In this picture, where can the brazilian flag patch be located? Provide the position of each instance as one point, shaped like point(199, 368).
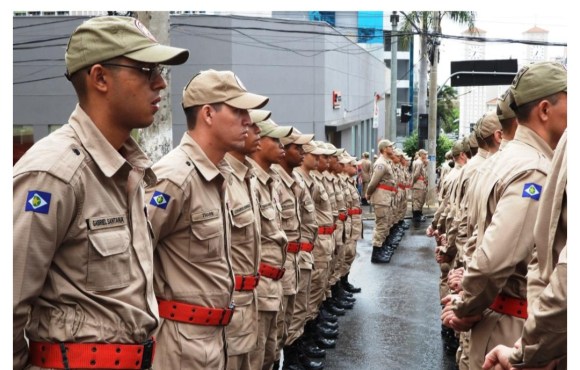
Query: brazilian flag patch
point(160, 199)
point(38, 202)
point(532, 190)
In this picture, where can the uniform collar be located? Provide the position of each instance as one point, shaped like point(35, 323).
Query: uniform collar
point(107, 158)
point(316, 174)
point(287, 179)
point(305, 176)
point(204, 166)
point(482, 152)
point(528, 136)
point(263, 176)
point(240, 170)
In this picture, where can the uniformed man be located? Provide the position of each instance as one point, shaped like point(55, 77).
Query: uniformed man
point(494, 285)
point(292, 194)
point(544, 338)
point(420, 182)
point(366, 167)
point(381, 192)
point(315, 161)
point(242, 332)
point(444, 170)
point(82, 251)
point(273, 241)
point(194, 280)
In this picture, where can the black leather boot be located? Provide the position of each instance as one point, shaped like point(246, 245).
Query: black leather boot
point(378, 256)
point(307, 346)
point(331, 307)
point(327, 316)
point(346, 285)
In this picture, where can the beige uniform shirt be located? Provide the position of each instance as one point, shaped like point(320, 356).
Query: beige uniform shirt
point(82, 251)
point(272, 237)
point(509, 210)
point(419, 170)
point(290, 192)
point(324, 217)
point(545, 332)
point(242, 332)
point(357, 225)
point(308, 224)
point(365, 166)
point(383, 174)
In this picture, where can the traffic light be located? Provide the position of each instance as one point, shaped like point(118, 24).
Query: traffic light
point(405, 113)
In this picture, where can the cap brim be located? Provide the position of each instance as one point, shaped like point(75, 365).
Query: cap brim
point(279, 132)
point(317, 151)
point(259, 115)
point(248, 101)
point(160, 54)
point(304, 139)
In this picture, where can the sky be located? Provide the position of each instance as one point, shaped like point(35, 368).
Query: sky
point(500, 19)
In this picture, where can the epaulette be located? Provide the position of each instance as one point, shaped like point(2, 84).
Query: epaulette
point(61, 163)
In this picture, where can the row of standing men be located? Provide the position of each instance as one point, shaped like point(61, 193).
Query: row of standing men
point(233, 247)
point(501, 230)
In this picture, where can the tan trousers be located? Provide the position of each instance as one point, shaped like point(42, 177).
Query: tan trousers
point(382, 224)
point(419, 196)
point(301, 301)
point(283, 322)
point(318, 285)
point(263, 356)
point(239, 362)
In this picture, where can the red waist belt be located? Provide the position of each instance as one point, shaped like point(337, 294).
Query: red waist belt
point(272, 272)
point(510, 306)
point(421, 178)
point(342, 216)
point(295, 247)
point(387, 187)
point(193, 314)
point(92, 355)
point(246, 283)
point(325, 230)
point(401, 186)
point(354, 211)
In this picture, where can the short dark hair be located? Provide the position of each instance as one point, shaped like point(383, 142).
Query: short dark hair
point(191, 113)
point(523, 111)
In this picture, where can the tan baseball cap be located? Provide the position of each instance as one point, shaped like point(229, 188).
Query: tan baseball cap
point(338, 151)
point(311, 148)
point(297, 137)
point(488, 124)
point(259, 115)
point(503, 109)
point(457, 148)
point(102, 38)
point(322, 145)
point(422, 151)
point(472, 140)
point(271, 129)
point(384, 143)
point(211, 86)
point(538, 80)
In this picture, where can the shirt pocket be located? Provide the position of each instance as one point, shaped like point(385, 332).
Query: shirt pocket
point(206, 241)
point(289, 218)
point(242, 219)
point(109, 259)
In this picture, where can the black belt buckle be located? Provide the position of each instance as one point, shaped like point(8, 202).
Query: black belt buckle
point(147, 359)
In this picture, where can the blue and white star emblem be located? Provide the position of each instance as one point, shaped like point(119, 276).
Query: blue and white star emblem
point(160, 199)
point(532, 190)
point(38, 202)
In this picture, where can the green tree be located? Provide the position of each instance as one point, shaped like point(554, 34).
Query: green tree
point(411, 146)
point(447, 112)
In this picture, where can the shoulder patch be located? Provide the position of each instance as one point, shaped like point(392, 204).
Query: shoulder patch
point(532, 190)
point(38, 202)
point(160, 200)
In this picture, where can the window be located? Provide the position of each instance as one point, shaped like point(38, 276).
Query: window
point(22, 139)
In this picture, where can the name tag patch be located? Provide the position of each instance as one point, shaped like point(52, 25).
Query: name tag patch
point(205, 215)
point(106, 222)
point(37, 202)
point(237, 211)
point(160, 199)
point(532, 190)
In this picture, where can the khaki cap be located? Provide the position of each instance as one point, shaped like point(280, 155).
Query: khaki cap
point(259, 115)
point(422, 151)
point(102, 38)
point(384, 144)
point(457, 148)
point(313, 149)
point(271, 129)
point(211, 86)
point(338, 151)
point(488, 124)
point(322, 146)
point(503, 109)
point(472, 140)
point(297, 137)
point(539, 80)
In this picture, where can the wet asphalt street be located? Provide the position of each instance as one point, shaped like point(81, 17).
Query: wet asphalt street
point(395, 321)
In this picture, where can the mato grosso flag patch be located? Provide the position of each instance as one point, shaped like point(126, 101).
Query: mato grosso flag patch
point(532, 190)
